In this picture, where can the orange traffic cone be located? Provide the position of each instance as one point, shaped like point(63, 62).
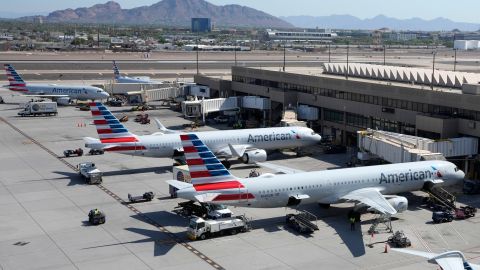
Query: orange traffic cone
point(386, 248)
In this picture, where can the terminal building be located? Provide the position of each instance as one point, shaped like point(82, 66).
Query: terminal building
point(390, 99)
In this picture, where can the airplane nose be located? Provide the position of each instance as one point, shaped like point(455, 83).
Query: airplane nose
point(461, 174)
point(105, 95)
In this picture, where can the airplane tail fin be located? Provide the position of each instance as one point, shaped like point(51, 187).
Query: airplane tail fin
point(16, 83)
point(204, 167)
point(109, 129)
point(116, 71)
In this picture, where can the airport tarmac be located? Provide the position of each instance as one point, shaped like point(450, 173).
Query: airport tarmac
point(44, 205)
point(168, 64)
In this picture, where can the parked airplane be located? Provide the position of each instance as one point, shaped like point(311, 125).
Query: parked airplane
point(124, 79)
point(450, 260)
point(211, 182)
point(247, 144)
point(62, 94)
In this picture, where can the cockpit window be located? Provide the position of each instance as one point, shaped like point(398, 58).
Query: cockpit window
point(99, 91)
point(456, 169)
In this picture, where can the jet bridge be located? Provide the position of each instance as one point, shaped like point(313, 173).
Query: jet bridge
point(398, 148)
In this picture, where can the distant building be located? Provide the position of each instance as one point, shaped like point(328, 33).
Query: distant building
point(322, 35)
point(465, 45)
point(400, 36)
point(202, 25)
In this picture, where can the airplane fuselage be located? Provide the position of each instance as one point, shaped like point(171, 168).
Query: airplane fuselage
point(72, 91)
point(327, 187)
point(164, 145)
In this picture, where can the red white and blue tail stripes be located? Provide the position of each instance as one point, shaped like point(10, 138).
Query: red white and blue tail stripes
point(116, 71)
point(111, 131)
point(16, 83)
point(208, 173)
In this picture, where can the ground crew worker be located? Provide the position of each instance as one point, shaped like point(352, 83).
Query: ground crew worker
point(96, 212)
point(352, 223)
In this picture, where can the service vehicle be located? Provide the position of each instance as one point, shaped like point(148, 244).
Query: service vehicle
point(303, 222)
point(90, 173)
point(34, 108)
point(94, 152)
point(96, 217)
point(465, 212)
point(146, 197)
point(202, 229)
point(77, 152)
point(399, 240)
point(207, 211)
point(442, 216)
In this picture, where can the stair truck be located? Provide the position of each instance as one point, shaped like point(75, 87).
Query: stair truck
point(202, 229)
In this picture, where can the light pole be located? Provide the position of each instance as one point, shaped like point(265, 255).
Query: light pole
point(196, 28)
point(433, 67)
point(455, 60)
point(284, 55)
point(235, 50)
point(329, 53)
point(384, 54)
point(348, 69)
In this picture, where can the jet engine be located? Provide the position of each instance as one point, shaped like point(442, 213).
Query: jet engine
point(400, 203)
point(63, 101)
point(250, 157)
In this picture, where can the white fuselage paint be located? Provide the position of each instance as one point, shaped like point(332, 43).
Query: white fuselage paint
point(164, 145)
point(72, 91)
point(145, 80)
point(329, 186)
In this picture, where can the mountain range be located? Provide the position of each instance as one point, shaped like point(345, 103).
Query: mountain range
point(167, 13)
point(380, 21)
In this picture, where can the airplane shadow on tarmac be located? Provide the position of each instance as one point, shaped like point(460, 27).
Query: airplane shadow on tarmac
point(336, 218)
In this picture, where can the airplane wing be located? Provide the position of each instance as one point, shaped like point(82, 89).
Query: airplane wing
point(278, 168)
point(450, 260)
point(232, 150)
point(163, 128)
point(371, 197)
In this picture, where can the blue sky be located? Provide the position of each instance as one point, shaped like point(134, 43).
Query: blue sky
point(459, 10)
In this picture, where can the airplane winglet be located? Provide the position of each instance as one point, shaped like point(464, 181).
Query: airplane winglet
point(163, 128)
point(237, 152)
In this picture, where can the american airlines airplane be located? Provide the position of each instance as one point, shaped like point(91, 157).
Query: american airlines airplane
point(124, 79)
point(211, 182)
point(247, 144)
point(62, 94)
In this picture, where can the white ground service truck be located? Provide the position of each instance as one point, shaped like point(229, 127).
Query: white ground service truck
point(200, 228)
point(34, 108)
point(90, 173)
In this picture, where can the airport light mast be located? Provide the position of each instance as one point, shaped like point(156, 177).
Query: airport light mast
point(433, 66)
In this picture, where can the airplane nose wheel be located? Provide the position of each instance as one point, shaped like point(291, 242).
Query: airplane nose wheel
point(227, 164)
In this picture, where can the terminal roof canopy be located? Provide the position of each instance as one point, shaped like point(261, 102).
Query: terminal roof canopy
point(440, 78)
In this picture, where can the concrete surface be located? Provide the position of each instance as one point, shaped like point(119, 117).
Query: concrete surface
point(44, 206)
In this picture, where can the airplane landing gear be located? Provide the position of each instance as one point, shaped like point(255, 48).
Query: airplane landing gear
point(226, 163)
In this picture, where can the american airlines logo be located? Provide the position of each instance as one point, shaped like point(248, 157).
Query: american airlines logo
point(272, 137)
point(66, 91)
point(404, 177)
